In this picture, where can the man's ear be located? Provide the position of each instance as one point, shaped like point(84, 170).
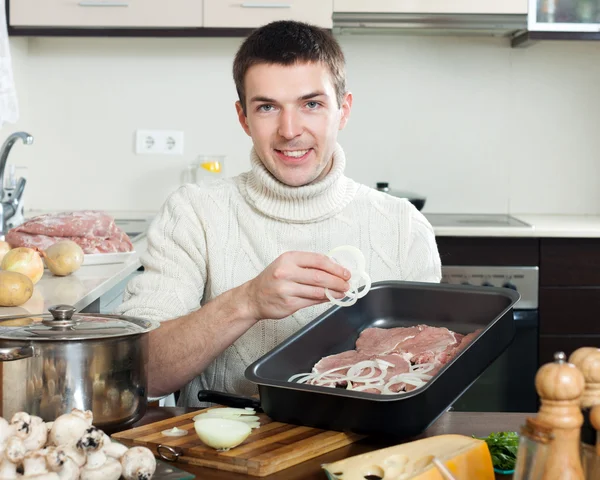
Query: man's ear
point(242, 117)
point(345, 108)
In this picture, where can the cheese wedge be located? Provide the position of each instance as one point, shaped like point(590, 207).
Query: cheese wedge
point(467, 459)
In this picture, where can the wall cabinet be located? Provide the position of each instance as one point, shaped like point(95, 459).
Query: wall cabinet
point(106, 13)
point(432, 6)
point(201, 17)
point(252, 14)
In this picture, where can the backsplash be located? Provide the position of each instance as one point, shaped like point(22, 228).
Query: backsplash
point(469, 122)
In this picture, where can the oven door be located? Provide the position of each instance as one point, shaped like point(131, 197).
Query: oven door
point(508, 384)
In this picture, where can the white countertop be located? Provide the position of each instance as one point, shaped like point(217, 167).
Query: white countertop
point(573, 226)
point(80, 288)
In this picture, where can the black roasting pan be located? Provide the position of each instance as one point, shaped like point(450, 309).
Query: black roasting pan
point(388, 304)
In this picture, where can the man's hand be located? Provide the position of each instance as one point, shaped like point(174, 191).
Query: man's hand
point(295, 280)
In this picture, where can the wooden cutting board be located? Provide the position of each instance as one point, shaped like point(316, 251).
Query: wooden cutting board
point(270, 448)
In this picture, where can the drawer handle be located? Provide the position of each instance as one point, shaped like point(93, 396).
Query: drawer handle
point(265, 5)
point(91, 3)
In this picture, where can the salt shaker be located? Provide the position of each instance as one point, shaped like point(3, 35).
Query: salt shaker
point(534, 446)
point(560, 386)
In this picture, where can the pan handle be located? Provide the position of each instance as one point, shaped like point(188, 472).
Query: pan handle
point(229, 399)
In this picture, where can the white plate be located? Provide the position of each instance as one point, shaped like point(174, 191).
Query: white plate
point(107, 258)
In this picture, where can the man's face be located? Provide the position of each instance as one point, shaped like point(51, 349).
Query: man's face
point(293, 118)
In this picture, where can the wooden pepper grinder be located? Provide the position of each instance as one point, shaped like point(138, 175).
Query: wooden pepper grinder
point(560, 386)
point(587, 360)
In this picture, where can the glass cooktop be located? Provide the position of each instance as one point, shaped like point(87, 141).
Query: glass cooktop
point(474, 220)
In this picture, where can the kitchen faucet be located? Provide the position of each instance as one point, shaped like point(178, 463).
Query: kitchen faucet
point(10, 202)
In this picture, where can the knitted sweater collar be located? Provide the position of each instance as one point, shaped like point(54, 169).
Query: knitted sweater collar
point(309, 203)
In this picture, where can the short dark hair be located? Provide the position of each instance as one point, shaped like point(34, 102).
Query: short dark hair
point(287, 42)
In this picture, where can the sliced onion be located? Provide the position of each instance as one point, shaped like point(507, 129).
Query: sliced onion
point(354, 261)
point(222, 433)
point(174, 432)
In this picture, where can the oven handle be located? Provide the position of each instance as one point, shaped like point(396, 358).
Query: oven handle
point(526, 318)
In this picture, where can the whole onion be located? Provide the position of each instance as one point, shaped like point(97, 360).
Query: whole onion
point(24, 260)
point(4, 248)
point(63, 257)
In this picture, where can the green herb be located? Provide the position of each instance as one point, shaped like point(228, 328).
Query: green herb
point(503, 448)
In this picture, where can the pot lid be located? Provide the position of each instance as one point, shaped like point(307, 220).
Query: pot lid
point(62, 323)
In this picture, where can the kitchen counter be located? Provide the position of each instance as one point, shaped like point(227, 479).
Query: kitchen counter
point(81, 288)
point(465, 423)
point(573, 226)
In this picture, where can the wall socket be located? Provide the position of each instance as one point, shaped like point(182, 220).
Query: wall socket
point(163, 142)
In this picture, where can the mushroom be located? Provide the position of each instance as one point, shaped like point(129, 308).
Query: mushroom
point(67, 429)
point(6, 430)
point(30, 429)
point(98, 466)
point(113, 449)
point(35, 467)
point(13, 452)
point(60, 462)
point(138, 464)
point(87, 415)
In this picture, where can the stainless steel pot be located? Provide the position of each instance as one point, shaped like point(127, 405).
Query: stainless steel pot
point(52, 363)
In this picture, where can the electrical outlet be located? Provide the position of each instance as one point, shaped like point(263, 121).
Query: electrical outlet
point(163, 142)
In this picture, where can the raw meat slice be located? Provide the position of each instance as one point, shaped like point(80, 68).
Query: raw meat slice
point(378, 341)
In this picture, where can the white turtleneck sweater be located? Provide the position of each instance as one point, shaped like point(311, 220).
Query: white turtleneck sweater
point(210, 238)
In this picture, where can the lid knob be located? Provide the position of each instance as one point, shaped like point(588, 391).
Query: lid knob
point(560, 386)
point(381, 185)
point(587, 360)
point(61, 312)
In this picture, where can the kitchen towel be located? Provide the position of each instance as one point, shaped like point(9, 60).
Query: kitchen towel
point(9, 107)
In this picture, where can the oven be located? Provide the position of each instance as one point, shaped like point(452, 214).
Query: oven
point(508, 384)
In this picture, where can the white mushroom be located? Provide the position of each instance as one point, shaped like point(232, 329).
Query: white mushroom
point(138, 464)
point(13, 452)
point(98, 466)
point(59, 462)
point(68, 429)
point(6, 430)
point(75, 453)
point(113, 449)
point(30, 429)
point(87, 415)
point(35, 467)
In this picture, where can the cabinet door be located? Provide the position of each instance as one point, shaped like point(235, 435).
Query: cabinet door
point(106, 13)
point(252, 14)
point(431, 6)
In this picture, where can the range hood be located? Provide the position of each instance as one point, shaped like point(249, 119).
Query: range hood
point(523, 21)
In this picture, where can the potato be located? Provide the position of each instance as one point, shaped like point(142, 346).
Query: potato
point(15, 288)
point(63, 257)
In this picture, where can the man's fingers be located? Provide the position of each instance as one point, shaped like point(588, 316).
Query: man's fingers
point(318, 261)
point(315, 293)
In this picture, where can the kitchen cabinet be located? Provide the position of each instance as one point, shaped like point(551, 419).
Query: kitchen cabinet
point(106, 13)
point(432, 6)
point(252, 14)
point(569, 295)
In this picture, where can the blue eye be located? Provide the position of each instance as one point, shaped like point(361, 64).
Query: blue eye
point(265, 108)
point(312, 105)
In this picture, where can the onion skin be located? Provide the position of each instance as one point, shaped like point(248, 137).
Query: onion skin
point(63, 258)
point(15, 288)
point(24, 260)
point(4, 248)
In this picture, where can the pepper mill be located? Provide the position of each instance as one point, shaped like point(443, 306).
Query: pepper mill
point(587, 360)
point(560, 386)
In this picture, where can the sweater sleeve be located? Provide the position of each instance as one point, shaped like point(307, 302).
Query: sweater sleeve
point(174, 276)
point(423, 263)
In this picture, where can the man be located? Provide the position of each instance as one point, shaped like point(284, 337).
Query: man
point(239, 265)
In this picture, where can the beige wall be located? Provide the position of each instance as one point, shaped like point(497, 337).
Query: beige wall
point(472, 124)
